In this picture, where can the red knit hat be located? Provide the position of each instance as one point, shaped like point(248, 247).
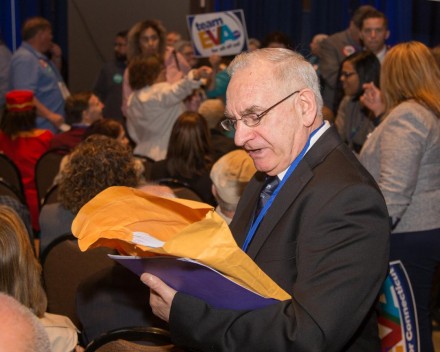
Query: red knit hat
point(19, 100)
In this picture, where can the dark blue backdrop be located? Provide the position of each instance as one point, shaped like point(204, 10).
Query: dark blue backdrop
point(54, 10)
point(408, 19)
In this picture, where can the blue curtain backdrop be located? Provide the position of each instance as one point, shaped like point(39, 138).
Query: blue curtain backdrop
point(54, 10)
point(408, 20)
point(300, 19)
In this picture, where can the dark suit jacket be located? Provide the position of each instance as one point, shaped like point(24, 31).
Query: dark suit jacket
point(324, 240)
point(333, 50)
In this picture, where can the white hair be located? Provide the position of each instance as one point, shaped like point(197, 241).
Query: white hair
point(36, 336)
point(289, 67)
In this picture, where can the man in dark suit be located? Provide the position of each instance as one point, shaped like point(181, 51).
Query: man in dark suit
point(322, 236)
point(334, 50)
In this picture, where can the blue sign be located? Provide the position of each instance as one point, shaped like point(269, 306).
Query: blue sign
point(218, 33)
point(398, 327)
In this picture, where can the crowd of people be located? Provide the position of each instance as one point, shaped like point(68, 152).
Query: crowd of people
point(326, 168)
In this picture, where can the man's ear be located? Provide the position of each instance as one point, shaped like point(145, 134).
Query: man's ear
point(307, 107)
point(38, 36)
point(387, 35)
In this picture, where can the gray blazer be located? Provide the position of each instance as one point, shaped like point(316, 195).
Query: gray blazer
point(403, 155)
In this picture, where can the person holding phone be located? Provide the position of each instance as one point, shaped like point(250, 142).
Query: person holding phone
point(354, 121)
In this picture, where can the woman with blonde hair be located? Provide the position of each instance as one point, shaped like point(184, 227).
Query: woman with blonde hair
point(403, 155)
point(20, 277)
point(20, 271)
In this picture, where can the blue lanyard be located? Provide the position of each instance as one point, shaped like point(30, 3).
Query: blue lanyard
point(266, 207)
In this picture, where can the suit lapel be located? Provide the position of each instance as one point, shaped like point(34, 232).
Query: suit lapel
point(246, 208)
point(291, 189)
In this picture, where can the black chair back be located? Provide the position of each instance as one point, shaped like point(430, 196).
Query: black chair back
point(46, 169)
point(180, 188)
point(51, 196)
point(7, 190)
point(10, 197)
point(133, 339)
point(64, 267)
point(11, 175)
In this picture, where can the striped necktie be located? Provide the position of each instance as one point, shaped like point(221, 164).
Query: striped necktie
point(269, 187)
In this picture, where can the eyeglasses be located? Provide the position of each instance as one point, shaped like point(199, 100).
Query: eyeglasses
point(251, 120)
point(346, 74)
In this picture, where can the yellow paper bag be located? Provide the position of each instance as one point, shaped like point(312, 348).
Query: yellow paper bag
point(119, 217)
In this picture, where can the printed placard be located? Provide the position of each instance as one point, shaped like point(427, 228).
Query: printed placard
point(398, 327)
point(221, 33)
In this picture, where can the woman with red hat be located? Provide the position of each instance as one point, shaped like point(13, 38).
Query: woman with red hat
point(22, 142)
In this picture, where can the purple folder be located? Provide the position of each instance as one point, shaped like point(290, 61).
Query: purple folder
point(196, 279)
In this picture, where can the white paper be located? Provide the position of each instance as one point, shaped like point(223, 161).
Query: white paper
point(146, 239)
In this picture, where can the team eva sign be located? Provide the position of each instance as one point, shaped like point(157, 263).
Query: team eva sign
point(221, 33)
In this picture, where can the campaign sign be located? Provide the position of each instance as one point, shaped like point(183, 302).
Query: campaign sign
point(221, 33)
point(398, 327)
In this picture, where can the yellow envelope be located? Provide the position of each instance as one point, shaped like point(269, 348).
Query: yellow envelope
point(189, 229)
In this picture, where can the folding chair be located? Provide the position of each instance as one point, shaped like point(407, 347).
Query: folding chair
point(7, 190)
point(10, 174)
point(64, 267)
point(51, 196)
point(46, 169)
point(180, 188)
point(133, 339)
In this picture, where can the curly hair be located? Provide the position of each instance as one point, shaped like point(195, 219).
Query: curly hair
point(135, 33)
point(95, 164)
point(144, 71)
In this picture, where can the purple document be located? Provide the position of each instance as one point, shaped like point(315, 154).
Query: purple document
point(198, 280)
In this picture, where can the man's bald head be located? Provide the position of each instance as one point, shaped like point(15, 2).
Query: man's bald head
point(20, 329)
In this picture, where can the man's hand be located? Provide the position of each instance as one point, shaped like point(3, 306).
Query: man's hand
point(56, 119)
point(201, 72)
point(55, 50)
point(56, 54)
point(43, 111)
point(161, 296)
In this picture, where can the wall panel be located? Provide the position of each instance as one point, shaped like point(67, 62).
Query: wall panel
point(92, 26)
